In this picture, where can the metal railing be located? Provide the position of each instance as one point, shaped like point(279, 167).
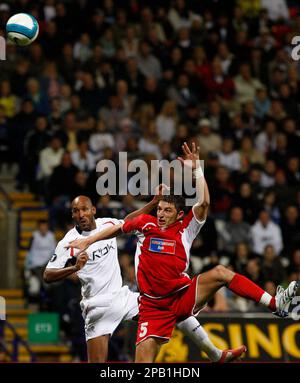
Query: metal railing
point(16, 342)
point(6, 198)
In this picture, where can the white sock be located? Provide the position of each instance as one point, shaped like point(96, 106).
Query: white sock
point(196, 332)
point(265, 299)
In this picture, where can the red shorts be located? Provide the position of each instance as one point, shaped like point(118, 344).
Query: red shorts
point(157, 317)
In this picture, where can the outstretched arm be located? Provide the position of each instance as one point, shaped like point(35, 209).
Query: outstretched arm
point(83, 244)
point(159, 191)
point(53, 275)
point(192, 159)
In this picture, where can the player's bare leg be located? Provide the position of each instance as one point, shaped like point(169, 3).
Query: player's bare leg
point(97, 349)
point(211, 281)
point(147, 350)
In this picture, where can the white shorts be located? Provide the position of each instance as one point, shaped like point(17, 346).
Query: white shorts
point(104, 320)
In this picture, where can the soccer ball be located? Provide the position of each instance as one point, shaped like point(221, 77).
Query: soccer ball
point(22, 29)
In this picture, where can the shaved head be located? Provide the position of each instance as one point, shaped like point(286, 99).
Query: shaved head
point(81, 199)
point(83, 213)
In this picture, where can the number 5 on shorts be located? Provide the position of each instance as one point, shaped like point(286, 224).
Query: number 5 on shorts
point(143, 329)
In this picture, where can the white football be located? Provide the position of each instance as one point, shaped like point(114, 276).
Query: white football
point(22, 29)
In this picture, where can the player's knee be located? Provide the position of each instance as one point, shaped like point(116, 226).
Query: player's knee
point(97, 358)
point(143, 359)
point(221, 273)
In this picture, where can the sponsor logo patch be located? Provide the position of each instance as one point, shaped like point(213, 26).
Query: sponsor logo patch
point(164, 246)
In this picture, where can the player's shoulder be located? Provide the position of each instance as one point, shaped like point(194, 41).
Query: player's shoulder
point(190, 218)
point(107, 221)
point(146, 220)
point(70, 235)
point(148, 217)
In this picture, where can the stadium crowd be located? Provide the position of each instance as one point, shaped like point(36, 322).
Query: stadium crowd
point(142, 77)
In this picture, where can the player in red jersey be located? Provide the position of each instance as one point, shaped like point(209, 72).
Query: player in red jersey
point(167, 292)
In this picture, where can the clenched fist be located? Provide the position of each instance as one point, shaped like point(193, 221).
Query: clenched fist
point(81, 260)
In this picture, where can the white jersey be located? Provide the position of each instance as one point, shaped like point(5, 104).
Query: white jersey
point(105, 303)
point(101, 275)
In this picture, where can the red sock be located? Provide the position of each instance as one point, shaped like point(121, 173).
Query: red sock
point(245, 288)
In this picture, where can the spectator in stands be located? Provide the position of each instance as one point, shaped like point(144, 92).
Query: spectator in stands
point(268, 174)
point(80, 185)
point(222, 192)
point(166, 121)
point(276, 9)
point(113, 113)
point(290, 228)
point(269, 204)
point(290, 129)
point(240, 257)
point(293, 171)
point(83, 158)
point(294, 267)
point(149, 143)
point(35, 141)
point(218, 117)
point(236, 230)
point(5, 149)
point(272, 269)
point(41, 249)
point(247, 201)
point(21, 124)
point(265, 141)
point(208, 140)
point(265, 232)
point(49, 158)
point(249, 118)
point(61, 182)
point(253, 271)
point(245, 85)
point(182, 92)
point(82, 49)
point(148, 64)
point(219, 86)
point(37, 96)
point(248, 154)
point(262, 103)
point(100, 139)
point(8, 100)
point(280, 154)
point(228, 156)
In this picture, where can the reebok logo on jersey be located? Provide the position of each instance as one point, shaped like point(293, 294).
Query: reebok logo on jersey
point(164, 246)
point(101, 252)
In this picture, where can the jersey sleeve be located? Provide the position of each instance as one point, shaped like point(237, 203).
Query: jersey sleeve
point(60, 256)
point(135, 224)
point(192, 225)
point(109, 221)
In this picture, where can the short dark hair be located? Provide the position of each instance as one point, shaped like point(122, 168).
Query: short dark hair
point(177, 200)
point(43, 222)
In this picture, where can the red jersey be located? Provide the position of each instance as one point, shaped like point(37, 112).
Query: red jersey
point(162, 256)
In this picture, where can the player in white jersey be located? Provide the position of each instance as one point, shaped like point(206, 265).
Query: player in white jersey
point(105, 302)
